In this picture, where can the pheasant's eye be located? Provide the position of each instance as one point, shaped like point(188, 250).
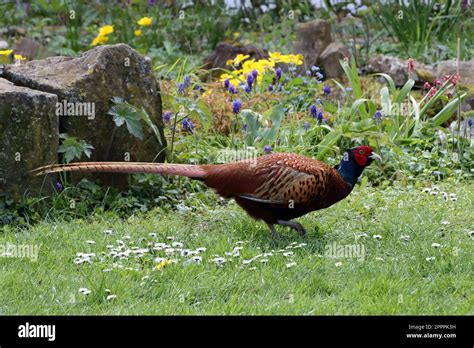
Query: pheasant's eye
point(361, 152)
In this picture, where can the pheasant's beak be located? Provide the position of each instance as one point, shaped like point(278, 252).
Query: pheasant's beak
point(375, 157)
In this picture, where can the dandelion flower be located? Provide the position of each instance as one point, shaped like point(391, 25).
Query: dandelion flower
point(137, 32)
point(145, 21)
point(163, 264)
point(6, 52)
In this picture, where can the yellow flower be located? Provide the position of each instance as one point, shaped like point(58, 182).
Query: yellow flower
point(6, 52)
point(236, 35)
point(163, 264)
point(240, 58)
point(106, 30)
point(138, 32)
point(19, 57)
point(99, 40)
point(145, 21)
point(277, 57)
point(230, 62)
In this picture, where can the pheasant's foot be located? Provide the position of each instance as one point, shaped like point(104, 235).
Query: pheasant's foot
point(273, 230)
point(293, 224)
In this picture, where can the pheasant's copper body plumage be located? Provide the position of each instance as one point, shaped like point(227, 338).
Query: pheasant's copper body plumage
point(275, 188)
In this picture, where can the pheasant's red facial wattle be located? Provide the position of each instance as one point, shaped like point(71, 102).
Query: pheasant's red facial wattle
point(361, 154)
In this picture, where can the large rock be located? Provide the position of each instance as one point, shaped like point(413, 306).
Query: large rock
point(28, 137)
point(330, 58)
point(90, 81)
point(225, 51)
point(311, 40)
point(397, 69)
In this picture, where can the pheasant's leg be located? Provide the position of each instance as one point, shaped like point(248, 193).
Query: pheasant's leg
point(273, 230)
point(293, 224)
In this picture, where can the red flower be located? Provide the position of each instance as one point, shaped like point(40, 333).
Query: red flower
point(427, 85)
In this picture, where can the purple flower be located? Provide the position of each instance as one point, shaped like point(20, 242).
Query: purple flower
point(232, 89)
point(187, 81)
point(320, 116)
point(327, 90)
point(187, 124)
point(313, 111)
point(319, 76)
point(279, 88)
point(58, 186)
point(308, 72)
point(151, 2)
point(306, 126)
point(267, 149)
point(244, 127)
point(249, 80)
point(270, 87)
point(236, 105)
point(167, 116)
point(278, 73)
point(226, 83)
point(248, 88)
point(319, 101)
point(198, 88)
point(377, 116)
point(314, 68)
point(254, 74)
point(181, 87)
point(348, 89)
point(469, 121)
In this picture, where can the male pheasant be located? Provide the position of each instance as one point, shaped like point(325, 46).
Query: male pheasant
point(275, 188)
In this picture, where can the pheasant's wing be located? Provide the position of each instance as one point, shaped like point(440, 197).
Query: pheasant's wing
point(277, 178)
point(285, 184)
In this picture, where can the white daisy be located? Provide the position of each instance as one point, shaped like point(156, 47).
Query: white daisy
point(291, 264)
point(90, 241)
point(435, 245)
point(177, 245)
point(288, 253)
point(111, 297)
point(108, 232)
point(197, 259)
point(218, 260)
point(377, 236)
point(405, 238)
point(84, 291)
point(431, 258)
point(201, 250)
point(338, 264)
point(152, 234)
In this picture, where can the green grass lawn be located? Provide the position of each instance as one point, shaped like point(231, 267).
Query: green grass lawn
point(394, 275)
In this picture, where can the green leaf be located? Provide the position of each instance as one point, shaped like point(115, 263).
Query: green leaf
point(123, 112)
point(404, 91)
point(447, 111)
point(389, 80)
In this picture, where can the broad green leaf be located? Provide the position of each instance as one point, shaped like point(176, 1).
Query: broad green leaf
point(404, 91)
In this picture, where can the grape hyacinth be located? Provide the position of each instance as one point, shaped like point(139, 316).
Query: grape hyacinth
point(267, 149)
point(181, 88)
point(187, 124)
point(250, 80)
point(327, 90)
point(187, 81)
point(232, 89)
point(236, 105)
point(320, 116)
point(226, 83)
point(248, 88)
point(377, 116)
point(313, 111)
point(254, 74)
point(469, 121)
point(270, 87)
point(167, 116)
point(278, 73)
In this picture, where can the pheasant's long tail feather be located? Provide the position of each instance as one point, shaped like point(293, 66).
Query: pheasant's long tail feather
point(189, 170)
